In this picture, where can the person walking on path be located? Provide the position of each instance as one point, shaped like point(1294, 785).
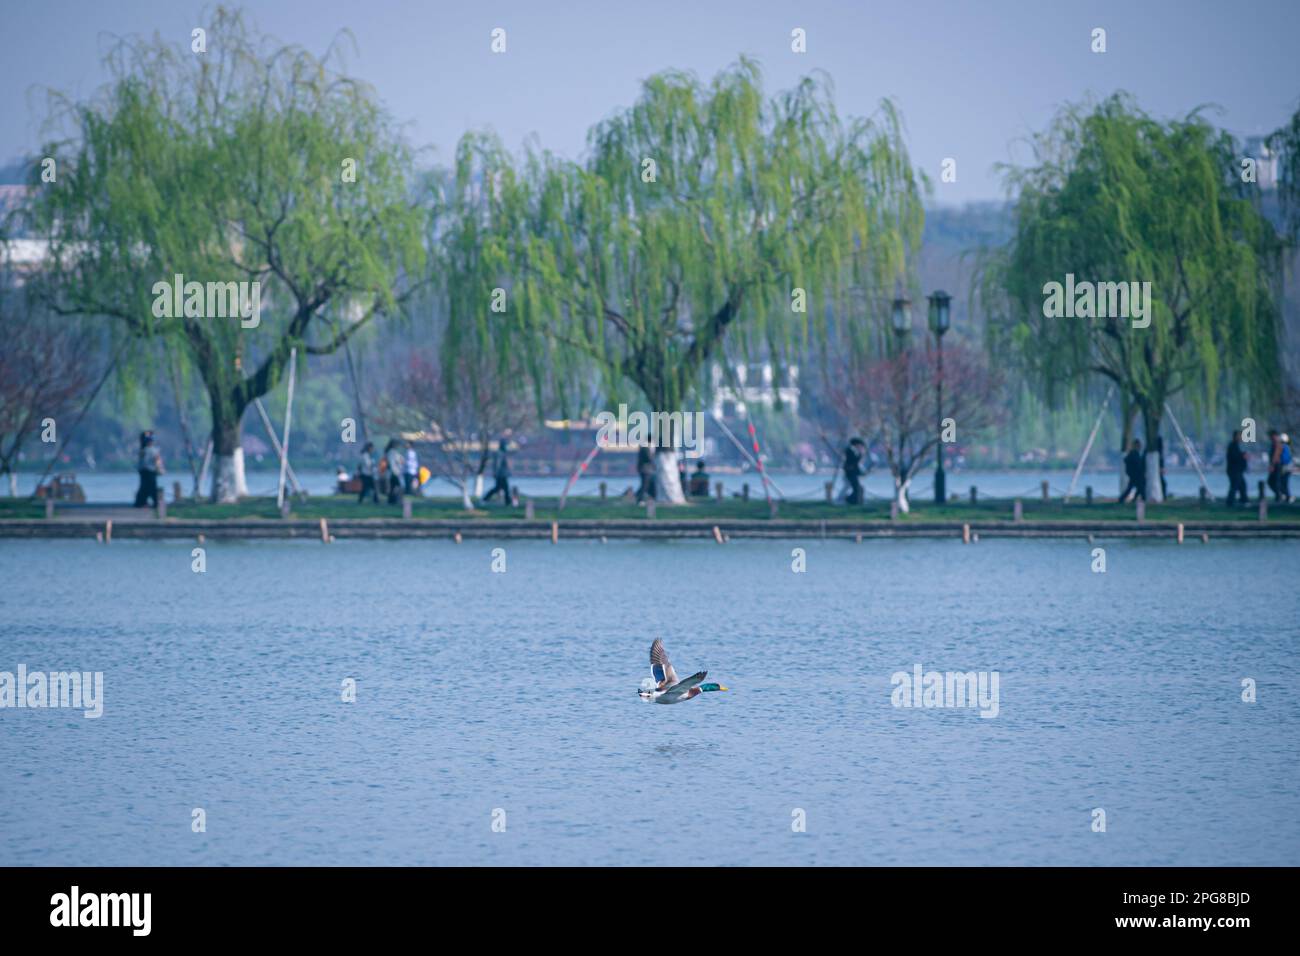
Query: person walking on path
point(1135, 468)
point(1236, 471)
point(500, 474)
point(150, 466)
point(393, 459)
point(366, 472)
point(645, 467)
point(411, 469)
point(853, 469)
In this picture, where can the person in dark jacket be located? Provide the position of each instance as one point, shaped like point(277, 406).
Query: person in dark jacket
point(1236, 471)
point(1135, 467)
point(853, 455)
point(645, 467)
point(501, 474)
point(149, 466)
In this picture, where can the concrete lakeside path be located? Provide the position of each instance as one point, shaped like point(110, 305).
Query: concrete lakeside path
point(327, 519)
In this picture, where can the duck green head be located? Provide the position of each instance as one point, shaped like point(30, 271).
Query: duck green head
point(711, 686)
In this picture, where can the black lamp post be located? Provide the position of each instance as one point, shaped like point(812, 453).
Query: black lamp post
point(902, 316)
point(938, 325)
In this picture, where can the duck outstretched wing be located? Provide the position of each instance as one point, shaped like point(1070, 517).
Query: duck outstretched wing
point(681, 689)
point(660, 667)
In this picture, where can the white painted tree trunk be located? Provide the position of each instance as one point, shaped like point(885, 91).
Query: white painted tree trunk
point(465, 501)
point(228, 481)
point(1153, 477)
point(668, 483)
point(478, 485)
point(13, 484)
point(901, 489)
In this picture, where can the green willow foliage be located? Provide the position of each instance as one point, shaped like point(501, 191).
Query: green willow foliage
point(1119, 196)
point(643, 281)
point(227, 166)
point(1286, 143)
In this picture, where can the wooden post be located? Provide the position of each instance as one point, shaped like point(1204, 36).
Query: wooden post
point(1141, 510)
point(555, 532)
point(456, 537)
point(1018, 511)
point(717, 485)
point(974, 494)
point(1263, 507)
point(49, 507)
point(830, 492)
point(324, 531)
point(771, 507)
point(406, 507)
point(162, 506)
point(528, 509)
point(965, 534)
point(1204, 496)
point(108, 531)
point(284, 508)
point(1261, 491)
point(1205, 538)
point(893, 509)
point(1180, 532)
point(717, 534)
point(176, 492)
point(1046, 494)
point(1088, 497)
point(857, 538)
point(650, 508)
point(744, 491)
point(602, 491)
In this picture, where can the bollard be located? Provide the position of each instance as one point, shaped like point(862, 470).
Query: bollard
point(202, 538)
point(744, 491)
point(108, 531)
point(1263, 507)
point(650, 508)
point(830, 492)
point(1046, 495)
point(1204, 496)
point(162, 507)
point(1180, 532)
point(974, 494)
point(602, 491)
point(555, 532)
point(718, 488)
point(965, 534)
point(1018, 511)
point(324, 532)
point(771, 507)
point(49, 507)
point(406, 508)
point(176, 492)
point(457, 538)
point(857, 539)
point(893, 510)
point(284, 508)
point(1261, 491)
point(717, 534)
point(1088, 495)
point(1141, 510)
point(1205, 538)
point(528, 509)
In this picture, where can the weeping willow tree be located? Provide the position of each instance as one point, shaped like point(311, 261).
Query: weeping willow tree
point(703, 214)
point(1119, 197)
point(244, 163)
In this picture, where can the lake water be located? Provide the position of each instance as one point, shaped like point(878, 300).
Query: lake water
point(480, 692)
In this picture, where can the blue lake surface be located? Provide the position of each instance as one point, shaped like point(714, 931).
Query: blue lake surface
point(481, 691)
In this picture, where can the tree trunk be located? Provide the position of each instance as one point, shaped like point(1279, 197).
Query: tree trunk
point(13, 484)
point(901, 489)
point(228, 482)
point(668, 483)
point(478, 485)
point(1127, 412)
point(1151, 420)
point(465, 501)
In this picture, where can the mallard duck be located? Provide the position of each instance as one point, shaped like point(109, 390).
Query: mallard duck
point(663, 687)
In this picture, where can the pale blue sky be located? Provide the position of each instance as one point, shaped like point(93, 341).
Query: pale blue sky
point(970, 77)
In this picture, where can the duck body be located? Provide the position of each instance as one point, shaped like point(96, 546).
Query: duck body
point(663, 687)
